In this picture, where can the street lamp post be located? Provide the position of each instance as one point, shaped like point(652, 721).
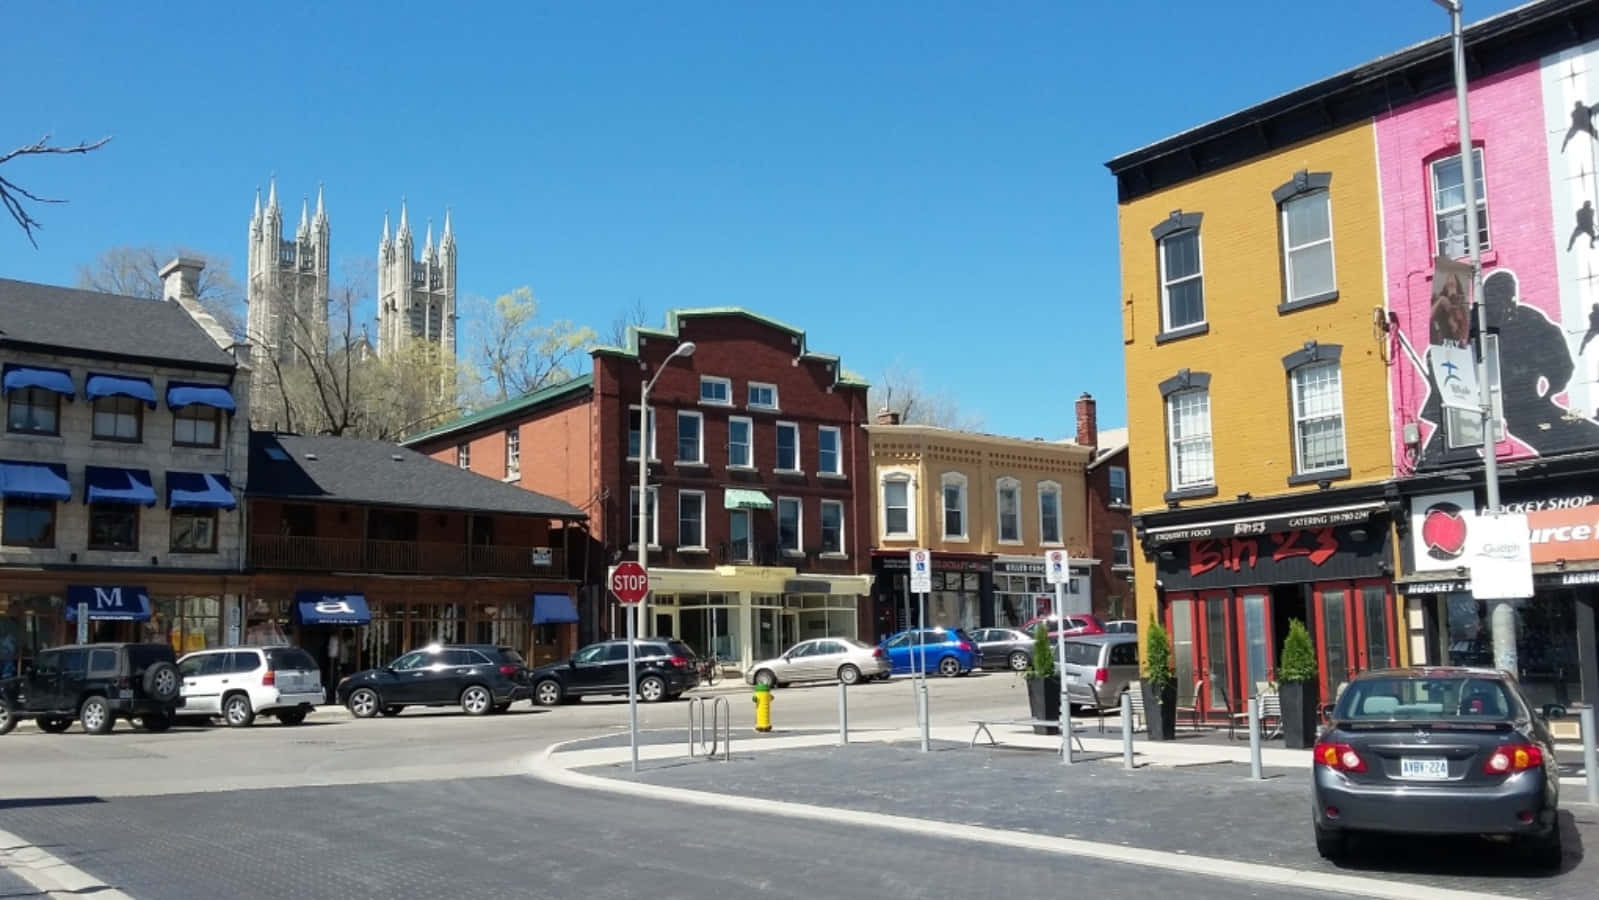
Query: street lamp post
point(1501, 615)
point(646, 436)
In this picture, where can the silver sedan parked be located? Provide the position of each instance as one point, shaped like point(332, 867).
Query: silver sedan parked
point(822, 659)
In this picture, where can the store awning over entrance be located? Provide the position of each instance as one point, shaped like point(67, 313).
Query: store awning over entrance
point(34, 480)
point(1312, 518)
point(19, 377)
point(109, 603)
point(119, 386)
point(736, 498)
point(553, 609)
point(103, 484)
point(181, 395)
point(331, 608)
point(199, 490)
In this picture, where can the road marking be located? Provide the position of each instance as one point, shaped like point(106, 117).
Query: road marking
point(49, 874)
point(545, 767)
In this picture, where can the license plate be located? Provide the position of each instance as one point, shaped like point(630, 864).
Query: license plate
point(1424, 768)
point(125, 694)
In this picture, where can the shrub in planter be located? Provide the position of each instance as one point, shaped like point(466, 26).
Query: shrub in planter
point(1159, 685)
point(1043, 683)
point(1298, 687)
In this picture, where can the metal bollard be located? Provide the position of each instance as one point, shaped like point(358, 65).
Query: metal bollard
point(926, 740)
point(1254, 738)
point(1590, 757)
point(1065, 728)
point(843, 714)
point(1127, 730)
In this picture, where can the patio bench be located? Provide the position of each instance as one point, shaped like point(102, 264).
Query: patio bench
point(982, 728)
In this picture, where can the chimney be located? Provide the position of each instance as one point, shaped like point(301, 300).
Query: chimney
point(1087, 421)
point(887, 417)
point(180, 279)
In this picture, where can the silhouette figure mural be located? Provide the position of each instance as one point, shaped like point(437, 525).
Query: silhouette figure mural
point(1581, 123)
point(1584, 226)
point(1593, 329)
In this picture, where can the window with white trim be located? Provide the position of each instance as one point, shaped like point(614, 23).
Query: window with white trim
point(1008, 496)
point(691, 520)
point(1308, 246)
point(716, 391)
point(513, 452)
point(829, 450)
point(1049, 527)
point(690, 437)
point(1182, 280)
point(1449, 204)
point(954, 505)
point(463, 455)
point(1121, 553)
point(1318, 400)
point(740, 442)
point(1188, 429)
point(652, 524)
point(897, 496)
point(1119, 494)
point(762, 395)
point(788, 449)
point(633, 435)
point(832, 526)
point(790, 524)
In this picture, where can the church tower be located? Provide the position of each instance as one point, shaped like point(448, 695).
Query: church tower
point(287, 291)
point(416, 292)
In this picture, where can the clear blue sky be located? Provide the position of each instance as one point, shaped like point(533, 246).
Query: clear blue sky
point(911, 182)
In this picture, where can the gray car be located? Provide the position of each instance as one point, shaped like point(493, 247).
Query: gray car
point(822, 659)
point(1098, 668)
point(1436, 751)
point(1003, 648)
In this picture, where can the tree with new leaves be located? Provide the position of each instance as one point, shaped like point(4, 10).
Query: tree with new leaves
point(15, 198)
point(517, 353)
point(136, 272)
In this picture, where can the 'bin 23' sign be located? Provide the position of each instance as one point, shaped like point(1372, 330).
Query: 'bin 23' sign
point(1239, 553)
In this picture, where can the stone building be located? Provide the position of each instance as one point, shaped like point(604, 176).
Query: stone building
point(286, 287)
point(416, 294)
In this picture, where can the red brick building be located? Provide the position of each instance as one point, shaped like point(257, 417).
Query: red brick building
point(759, 507)
point(1110, 526)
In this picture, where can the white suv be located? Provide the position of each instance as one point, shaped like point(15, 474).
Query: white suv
point(239, 683)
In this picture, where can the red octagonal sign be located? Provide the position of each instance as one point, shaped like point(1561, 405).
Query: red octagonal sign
point(629, 582)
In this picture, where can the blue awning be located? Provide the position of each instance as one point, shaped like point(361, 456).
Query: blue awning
point(197, 489)
point(102, 484)
point(119, 386)
point(34, 480)
point(331, 608)
point(19, 377)
point(109, 603)
point(181, 395)
point(553, 609)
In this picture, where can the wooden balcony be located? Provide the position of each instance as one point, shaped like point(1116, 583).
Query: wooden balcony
point(311, 554)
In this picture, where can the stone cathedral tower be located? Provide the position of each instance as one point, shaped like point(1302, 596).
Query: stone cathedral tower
point(287, 291)
point(416, 294)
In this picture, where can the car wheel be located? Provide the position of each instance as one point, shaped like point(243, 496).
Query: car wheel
point(291, 716)
point(1332, 844)
point(651, 689)
point(363, 704)
point(1545, 850)
point(949, 667)
point(476, 700)
point(237, 711)
point(96, 716)
point(548, 692)
point(51, 724)
point(7, 720)
point(155, 722)
point(849, 674)
point(392, 711)
point(161, 681)
point(765, 678)
point(1018, 661)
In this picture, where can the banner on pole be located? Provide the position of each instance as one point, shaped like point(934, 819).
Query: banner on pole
point(1449, 356)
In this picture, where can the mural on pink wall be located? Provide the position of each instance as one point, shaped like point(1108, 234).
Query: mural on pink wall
point(1538, 151)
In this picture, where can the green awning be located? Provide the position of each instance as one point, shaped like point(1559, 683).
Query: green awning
point(733, 498)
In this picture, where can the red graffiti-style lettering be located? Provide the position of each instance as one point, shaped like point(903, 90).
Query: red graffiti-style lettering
point(1233, 554)
point(1316, 544)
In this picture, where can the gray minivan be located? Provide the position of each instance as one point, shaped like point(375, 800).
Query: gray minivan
point(1098, 668)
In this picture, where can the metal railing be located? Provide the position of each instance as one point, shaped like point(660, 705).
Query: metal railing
point(402, 557)
point(721, 728)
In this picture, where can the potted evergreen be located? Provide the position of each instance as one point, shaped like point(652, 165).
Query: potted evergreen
point(1043, 683)
point(1298, 687)
point(1159, 685)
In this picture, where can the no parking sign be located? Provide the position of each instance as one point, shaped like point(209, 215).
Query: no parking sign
point(921, 572)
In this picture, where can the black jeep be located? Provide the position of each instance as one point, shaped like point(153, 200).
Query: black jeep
point(94, 684)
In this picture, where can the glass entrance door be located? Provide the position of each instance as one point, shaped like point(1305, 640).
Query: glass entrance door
point(1185, 656)
point(1376, 626)
point(1333, 638)
point(1256, 644)
point(1215, 651)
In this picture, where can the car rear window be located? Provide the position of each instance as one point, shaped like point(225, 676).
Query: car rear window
point(679, 648)
point(1081, 653)
point(507, 655)
point(142, 656)
point(1449, 697)
point(281, 659)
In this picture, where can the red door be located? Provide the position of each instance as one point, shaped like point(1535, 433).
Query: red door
point(1256, 648)
point(1200, 627)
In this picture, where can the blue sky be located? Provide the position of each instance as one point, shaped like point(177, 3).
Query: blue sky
point(918, 184)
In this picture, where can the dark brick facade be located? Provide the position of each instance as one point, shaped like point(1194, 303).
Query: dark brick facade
point(1113, 583)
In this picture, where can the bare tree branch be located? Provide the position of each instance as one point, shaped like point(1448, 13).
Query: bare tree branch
point(12, 194)
point(136, 272)
point(634, 316)
point(901, 390)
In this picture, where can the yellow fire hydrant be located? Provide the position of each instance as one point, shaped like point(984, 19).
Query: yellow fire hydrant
point(763, 707)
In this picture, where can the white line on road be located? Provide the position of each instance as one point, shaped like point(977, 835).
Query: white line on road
point(543, 766)
point(49, 874)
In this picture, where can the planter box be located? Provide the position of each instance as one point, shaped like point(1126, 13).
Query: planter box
point(1300, 700)
point(1043, 699)
point(1160, 711)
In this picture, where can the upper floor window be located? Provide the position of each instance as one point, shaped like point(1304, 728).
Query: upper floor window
point(1449, 204)
point(691, 519)
point(690, 437)
point(28, 523)
point(788, 449)
point(1009, 496)
point(789, 526)
point(1049, 529)
point(1120, 549)
point(832, 526)
point(762, 396)
point(1188, 431)
point(33, 411)
point(740, 442)
point(633, 434)
point(954, 503)
point(118, 418)
point(1308, 246)
point(1182, 280)
point(513, 452)
point(1318, 418)
point(194, 530)
point(829, 458)
point(896, 506)
point(1119, 494)
point(113, 526)
point(463, 455)
point(716, 391)
point(652, 518)
point(198, 425)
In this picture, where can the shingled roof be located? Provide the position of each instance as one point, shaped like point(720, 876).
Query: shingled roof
point(47, 318)
point(356, 470)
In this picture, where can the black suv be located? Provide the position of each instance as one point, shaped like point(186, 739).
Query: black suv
point(666, 668)
point(482, 678)
point(94, 684)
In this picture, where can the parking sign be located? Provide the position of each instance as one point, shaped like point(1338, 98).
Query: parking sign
point(921, 572)
point(1057, 567)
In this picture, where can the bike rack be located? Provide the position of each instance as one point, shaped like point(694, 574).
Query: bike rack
point(721, 731)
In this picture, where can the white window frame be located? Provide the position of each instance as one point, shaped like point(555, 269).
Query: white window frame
point(1288, 249)
point(1172, 440)
point(842, 552)
point(654, 513)
point(463, 455)
point(652, 433)
point(777, 445)
point(897, 476)
point(1001, 485)
point(749, 401)
point(1471, 222)
point(1052, 487)
point(513, 452)
point(699, 458)
point(727, 387)
point(1126, 497)
point(700, 545)
point(1126, 549)
point(799, 526)
point(1299, 418)
point(749, 432)
point(945, 481)
point(838, 451)
point(1165, 285)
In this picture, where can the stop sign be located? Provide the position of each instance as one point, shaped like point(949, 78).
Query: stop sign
point(629, 582)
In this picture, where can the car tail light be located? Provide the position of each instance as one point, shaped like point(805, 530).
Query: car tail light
point(677, 662)
point(1339, 757)
point(1513, 758)
point(964, 647)
point(877, 653)
point(507, 670)
point(269, 679)
point(1101, 675)
point(125, 682)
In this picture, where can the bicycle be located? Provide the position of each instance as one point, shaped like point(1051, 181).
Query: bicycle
point(710, 668)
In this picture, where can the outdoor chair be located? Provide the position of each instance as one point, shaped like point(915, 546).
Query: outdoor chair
point(1190, 704)
point(1271, 714)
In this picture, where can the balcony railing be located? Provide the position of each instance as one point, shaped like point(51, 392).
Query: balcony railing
point(313, 554)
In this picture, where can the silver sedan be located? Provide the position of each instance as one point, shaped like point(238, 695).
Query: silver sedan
point(822, 659)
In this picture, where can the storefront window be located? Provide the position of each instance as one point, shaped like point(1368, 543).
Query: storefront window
point(186, 623)
point(265, 621)
point(1546, 643)
point(28, 623)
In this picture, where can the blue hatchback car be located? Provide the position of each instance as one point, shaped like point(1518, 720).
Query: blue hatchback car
point(948, 651)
